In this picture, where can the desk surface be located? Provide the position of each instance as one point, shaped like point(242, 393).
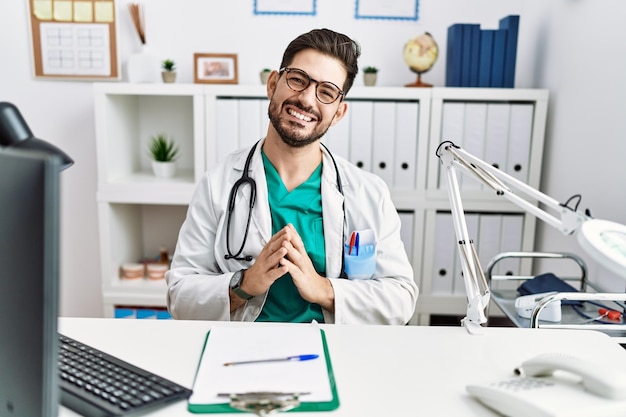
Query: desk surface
point(380, 370)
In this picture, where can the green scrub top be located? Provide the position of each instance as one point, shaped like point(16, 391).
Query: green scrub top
point(301, 207)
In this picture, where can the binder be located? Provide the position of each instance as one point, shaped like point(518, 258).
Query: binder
point(384, 140)
point(407, 219)
point(227, 128)
point(511, 25)
point(445, 254)
point(485, 57)
point(474, 54)
point(361, 120)
point(249, 122)
point(498, 56)
point(520, 135)
point(454, 55)
point(466, 58)
point(497, 135)
point(218, 388)
point(474, 139)
point(407, 121)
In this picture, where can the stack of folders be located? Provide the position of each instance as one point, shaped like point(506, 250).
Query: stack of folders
point(478, 57)
point(275, 361)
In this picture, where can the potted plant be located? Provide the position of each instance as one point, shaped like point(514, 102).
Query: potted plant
point(265, 73)
point(163, 152)
point(169, 71)
point(370, 75)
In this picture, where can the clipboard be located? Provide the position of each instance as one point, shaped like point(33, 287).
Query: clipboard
point(221, 389)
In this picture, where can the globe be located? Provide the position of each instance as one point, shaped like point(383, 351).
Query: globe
point(420, 54)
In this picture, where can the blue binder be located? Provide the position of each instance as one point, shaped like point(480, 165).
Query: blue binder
point(485, 57)
point(474, 54)
point(511, 24)
point(497, 63)
point(454, 55)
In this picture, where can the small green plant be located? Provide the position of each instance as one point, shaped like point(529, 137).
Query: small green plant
point(370, 70)
point(266, 70)
point(168, 65)
point(163, 149)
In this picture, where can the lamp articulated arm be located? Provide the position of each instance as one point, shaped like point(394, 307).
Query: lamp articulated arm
point(454, 159)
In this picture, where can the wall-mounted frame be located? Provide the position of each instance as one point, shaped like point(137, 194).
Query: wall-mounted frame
point(74, 39)
point(215, 68)
point(384, 9)
point(289, 7)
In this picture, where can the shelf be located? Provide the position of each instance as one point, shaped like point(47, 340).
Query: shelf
point(144, 187)
point(392, 131)
point(140, 292)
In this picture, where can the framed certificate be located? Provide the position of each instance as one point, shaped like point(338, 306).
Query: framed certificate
point(299, 7)
point(387, 9)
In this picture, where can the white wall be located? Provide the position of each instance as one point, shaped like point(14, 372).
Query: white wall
point(567, 46)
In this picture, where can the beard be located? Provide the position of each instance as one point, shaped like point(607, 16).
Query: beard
point(290, 131)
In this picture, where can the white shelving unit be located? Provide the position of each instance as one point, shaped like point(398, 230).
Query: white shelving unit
point(391, 131)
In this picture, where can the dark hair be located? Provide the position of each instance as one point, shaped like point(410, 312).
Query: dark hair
point(330, 43)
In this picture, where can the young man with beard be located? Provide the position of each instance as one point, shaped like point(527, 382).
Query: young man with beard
point(265, 231)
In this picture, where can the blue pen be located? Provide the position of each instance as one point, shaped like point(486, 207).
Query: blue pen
point(356, 244)
point(294, 358)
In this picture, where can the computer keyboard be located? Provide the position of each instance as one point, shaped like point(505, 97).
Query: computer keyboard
point(96, 384)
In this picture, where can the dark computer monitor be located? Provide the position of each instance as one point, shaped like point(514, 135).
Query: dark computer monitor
point(29, 272)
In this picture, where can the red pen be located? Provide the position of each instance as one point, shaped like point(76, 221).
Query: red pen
point(352, 239)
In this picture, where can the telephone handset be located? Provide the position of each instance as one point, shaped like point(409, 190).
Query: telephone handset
point(555, 385)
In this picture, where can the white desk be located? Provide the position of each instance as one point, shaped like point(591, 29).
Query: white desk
point(380, 370)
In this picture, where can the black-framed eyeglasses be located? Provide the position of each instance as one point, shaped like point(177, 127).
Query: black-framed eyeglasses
point(298, 80)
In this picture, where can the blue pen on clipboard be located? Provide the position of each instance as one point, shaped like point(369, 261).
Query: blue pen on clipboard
point(295, 358)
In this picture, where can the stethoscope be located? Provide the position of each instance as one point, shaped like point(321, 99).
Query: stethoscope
point(247, 180)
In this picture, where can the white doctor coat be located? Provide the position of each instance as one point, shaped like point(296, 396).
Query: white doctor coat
point(198, 281)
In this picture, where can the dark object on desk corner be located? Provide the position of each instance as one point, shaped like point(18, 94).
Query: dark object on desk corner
point(96, 384)
point(548, 283)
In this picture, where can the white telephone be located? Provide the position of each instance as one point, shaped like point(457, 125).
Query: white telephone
point(575, 388)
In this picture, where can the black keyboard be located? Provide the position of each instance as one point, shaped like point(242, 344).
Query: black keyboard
point(96, 384)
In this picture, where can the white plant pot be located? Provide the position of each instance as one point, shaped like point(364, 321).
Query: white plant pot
point(164, 169)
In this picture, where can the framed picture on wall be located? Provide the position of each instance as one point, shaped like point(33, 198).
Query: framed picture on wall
point(384, 9)
point(286, 7)
point(215, 68)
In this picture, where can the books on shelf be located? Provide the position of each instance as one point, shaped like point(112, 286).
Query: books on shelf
point(478, 57)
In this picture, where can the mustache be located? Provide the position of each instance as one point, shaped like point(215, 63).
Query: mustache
point(304, 109)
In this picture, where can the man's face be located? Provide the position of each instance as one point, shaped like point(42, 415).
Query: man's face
point(300, 118)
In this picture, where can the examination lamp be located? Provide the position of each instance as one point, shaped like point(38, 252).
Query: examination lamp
point(603, 240)
point(14, 132)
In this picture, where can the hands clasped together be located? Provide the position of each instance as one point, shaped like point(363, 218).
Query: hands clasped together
point(285, 253)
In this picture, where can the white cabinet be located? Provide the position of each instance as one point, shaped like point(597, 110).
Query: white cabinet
point(138, 213)
point(504, 127)
point(393, 132)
